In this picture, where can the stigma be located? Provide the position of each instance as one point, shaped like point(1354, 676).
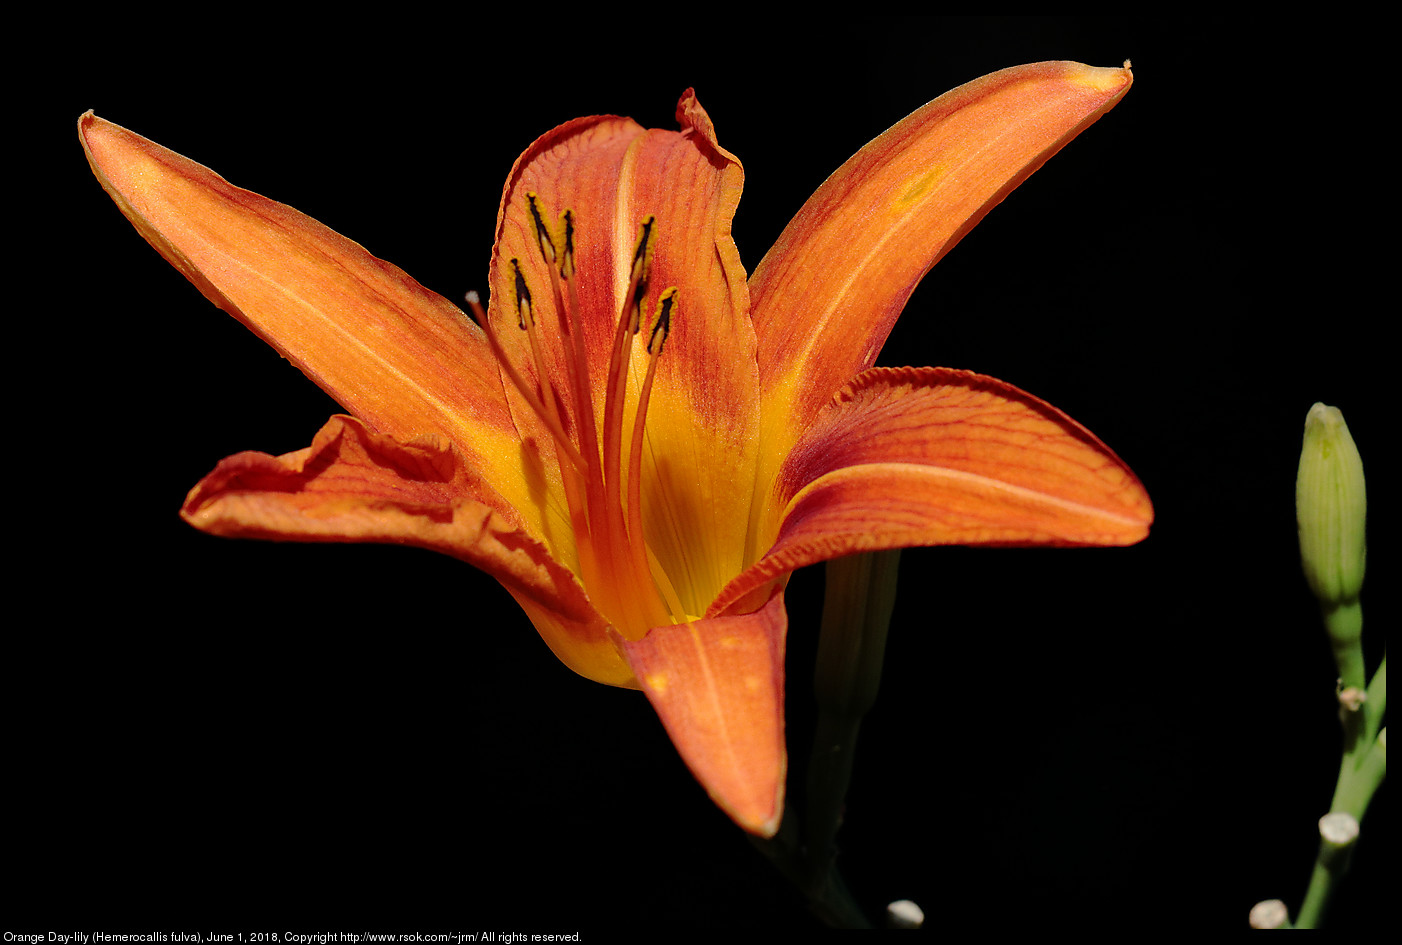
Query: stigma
point(598, 452)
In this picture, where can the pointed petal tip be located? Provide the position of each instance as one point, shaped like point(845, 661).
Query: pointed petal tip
point(921, 185)
point(764, 829)
point(718, 686)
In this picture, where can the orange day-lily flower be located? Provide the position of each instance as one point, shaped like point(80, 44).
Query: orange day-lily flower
point(637, 442)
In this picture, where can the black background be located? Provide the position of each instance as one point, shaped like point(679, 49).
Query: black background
point(258, 736)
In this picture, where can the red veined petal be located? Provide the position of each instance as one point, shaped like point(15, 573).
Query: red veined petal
point(354, 485)
point(826, 295)
point(611, 174)
point(403, 359)
point(930, 456)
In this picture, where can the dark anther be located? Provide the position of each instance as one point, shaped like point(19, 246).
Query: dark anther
point(663, 325)
point(567, 260)
point(523, 295)
point(542, 232)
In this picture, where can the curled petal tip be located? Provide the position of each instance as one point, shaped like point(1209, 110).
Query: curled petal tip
point(1103, 78)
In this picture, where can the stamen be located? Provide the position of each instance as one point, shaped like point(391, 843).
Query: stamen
point(642, 250)
point(527, 319)
point(474, 302)
point(596, 543)
point(627, 324)
point(542, 232)
point(523, 296)
point(557, 432)
point(638, 547)
point(567, 230)
point(572, 466)
point(576, 363)
point(575, 367)
point(663, 326)
point(546, 241)
point(638, 273)
point(600, 466)
point(567, 260)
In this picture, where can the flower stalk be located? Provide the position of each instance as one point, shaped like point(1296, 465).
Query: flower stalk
point(858, 600)
point(1331, 509)
point(857, 603)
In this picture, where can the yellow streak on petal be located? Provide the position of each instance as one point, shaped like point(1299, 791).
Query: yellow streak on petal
point(400, 357)
point(921, 185)
point(1032, 505)
point(825, 297)
point(351, 344)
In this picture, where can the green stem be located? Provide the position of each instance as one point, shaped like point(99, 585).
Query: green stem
point(1377, 701)
point(1364, 762)
point(830, 902)
point(857, 603)
point(1329, 867)
point(1344, 622)
point(1361, 772)
point(857, 606)
point(1357, 787)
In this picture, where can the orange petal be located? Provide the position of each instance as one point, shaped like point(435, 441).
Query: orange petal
point(704, 414)
point(353, 485)
point(612, 174)
point(403, 359)
point(575, 166)
point(718, 685)
point(930, 456)
point(826, 295)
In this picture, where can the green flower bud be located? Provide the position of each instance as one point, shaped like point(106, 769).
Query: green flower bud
point(1330, 506)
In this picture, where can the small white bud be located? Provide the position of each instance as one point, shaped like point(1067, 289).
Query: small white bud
point(1270, 914)
point(904, 914)
point(1338, 829)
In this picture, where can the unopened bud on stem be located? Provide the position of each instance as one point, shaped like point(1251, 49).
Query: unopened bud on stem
point(1330, 506)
